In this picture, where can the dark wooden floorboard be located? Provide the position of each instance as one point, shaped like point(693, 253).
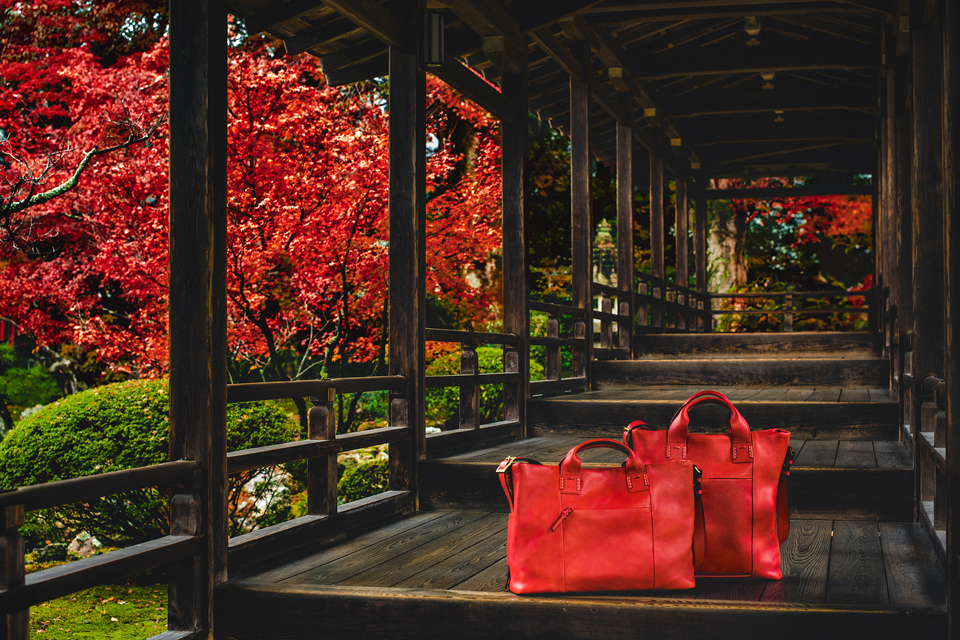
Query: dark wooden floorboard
point(740, 590)
point(914, 574)
point(856, 565)
point(892, 455)
point(462, 565)
point(825, 394)
point(818, 454)
point(493, 579)
point(855, 395)
point(379, 552)
point(398, 568)
point(856, 454)
point(804, 559)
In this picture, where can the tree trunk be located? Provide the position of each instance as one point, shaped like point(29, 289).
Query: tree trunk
point(726, 261)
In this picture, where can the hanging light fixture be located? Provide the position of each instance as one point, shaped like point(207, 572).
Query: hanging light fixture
point(431, 34)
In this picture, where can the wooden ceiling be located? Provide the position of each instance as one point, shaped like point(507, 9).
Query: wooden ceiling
point(749, 88)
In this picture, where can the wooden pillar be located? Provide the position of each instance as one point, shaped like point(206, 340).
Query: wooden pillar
point(927, 200)
point(14, 625)
point(890, 211)
point(951, 120)
point(581, 206)
point(657, 268)
point(700, 251)
point(683, 220)
point(904, 158)
point(625, 260)
point(198, 300)
point(515, 317)
point(407, 258)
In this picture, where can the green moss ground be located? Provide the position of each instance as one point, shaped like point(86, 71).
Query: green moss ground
point(113, 612)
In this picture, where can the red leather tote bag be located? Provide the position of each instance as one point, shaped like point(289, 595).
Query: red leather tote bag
point(623, 528)
point(742, 470)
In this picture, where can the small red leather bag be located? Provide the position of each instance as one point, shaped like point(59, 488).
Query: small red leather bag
point(599, 529)
point(743, 521)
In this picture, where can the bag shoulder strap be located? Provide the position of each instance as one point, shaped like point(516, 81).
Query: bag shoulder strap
point(506, 476)
point(783, 514)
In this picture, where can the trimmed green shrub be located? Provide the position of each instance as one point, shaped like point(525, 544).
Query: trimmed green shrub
point(117, 426)
point(364, 479)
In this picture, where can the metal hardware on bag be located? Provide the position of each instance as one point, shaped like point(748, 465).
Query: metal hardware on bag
point(748, 449)
point(697, 480)
point(563, 478)
point(505, 464)
point(787, 462)
point(563, 516)
point(630, 479)
point(682, 448)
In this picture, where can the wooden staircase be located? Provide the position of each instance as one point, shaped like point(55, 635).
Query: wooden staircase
point(855, 565)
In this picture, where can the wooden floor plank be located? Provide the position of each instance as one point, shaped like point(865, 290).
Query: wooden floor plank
point(892, 455)
point(400, 567)
point(804, 560)
point(493, 579)
point(914, 575)
point(375, 554)
point(797, 445)
point(770, 395)
point(797, 394)
point(856, 573)
point(855, 395)
point(352, 546)
point(514, 448)
point(825, 394)
point(856, 454)
point(730, 589)
point(461, 566)
point(818, 454)
point(879, 395)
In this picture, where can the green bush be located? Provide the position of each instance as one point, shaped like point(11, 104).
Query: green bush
point(364, 479)
point(117, 426)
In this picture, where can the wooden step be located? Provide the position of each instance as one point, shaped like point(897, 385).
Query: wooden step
point(826, 412)
point(444, 574)
point(853, 479)
point(758, 345)
point(743, 372)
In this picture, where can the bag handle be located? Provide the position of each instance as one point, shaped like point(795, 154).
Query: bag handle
point(741, 441)
point(634, 469)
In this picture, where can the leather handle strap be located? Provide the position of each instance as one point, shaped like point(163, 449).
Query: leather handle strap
point(741, 440)
point(699, 536)
point(634, 469)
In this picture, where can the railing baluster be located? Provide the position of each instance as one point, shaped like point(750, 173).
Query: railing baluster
point(642, 319)
point(681, 312)
point(606, 326)
point(788, 316)
point(625, 329)
point(12, 571)
point(322, 471)
point(552, 363)
point(580, 350)
point(657, 307)
point(469, 393)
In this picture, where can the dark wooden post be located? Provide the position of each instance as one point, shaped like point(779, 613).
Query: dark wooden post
point(581, 206)
point(606, 326)
point(904, 249)
point(322, 471)
point(470, 393)
point(552, 360)
point(952, 307)
point(927, 199)
point(407, 257)
point(657, 267)
point(890, 217)
point(16, 624)
point(515, 316)
point(683, 217)
point(198, 299)
point(625, 261)
point(700, 250)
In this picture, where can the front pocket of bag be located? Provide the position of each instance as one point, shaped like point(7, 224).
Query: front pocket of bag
point(608, 550)
point(728, 527)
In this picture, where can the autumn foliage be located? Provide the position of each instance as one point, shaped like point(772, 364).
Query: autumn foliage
point(307, 207)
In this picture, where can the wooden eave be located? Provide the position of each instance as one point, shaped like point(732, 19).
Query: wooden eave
point(685, 75)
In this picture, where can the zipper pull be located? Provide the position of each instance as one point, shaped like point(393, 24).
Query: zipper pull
point(563, 516)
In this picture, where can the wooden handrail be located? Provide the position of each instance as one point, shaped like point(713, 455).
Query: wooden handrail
point(86, 488)
point(558, 309)
point(109, 567)
point(736, 312)
point(543, 341)
point(274, 454)
point(460, 379)
point(481, 337)
point(796, 294)
point(253, 391)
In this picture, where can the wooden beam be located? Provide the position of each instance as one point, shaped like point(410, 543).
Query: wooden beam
point(502, 53)
point(280, 13)
point(725, 103)
point(773, 57)
point(474, 87)
point(555, 49)
point(324, 39)
point(379, 21)
point(351, 56)
point(407, 293)
point(630, 16)
point(198, 301)
point(373, 68)
point(515, 316)
point(952, 317)
point(683, 217)
point(489, 18)
point(833, 189)
point(657, 267)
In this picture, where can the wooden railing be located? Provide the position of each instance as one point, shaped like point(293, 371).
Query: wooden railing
point(791, 301)
point(930, 462)
point(470, 431)
point(324, 516)
point(18, 591)
point(666, 307)
point(574, 337)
